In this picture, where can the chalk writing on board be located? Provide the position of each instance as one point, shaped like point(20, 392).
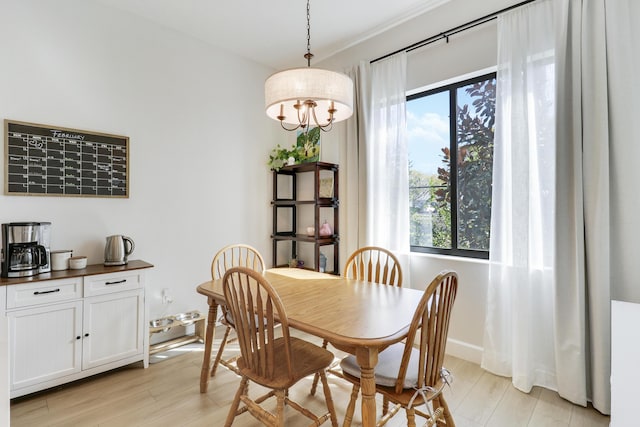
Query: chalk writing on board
point(54, 161)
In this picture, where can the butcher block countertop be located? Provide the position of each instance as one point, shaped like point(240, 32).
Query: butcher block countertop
point(91, 270)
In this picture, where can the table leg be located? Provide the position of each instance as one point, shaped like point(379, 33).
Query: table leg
point(208, 343)
point(367, 359)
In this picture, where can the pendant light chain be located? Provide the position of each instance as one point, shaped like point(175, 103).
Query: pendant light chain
point(309, 55)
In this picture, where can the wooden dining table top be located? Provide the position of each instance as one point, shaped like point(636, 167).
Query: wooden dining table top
point(344, 311)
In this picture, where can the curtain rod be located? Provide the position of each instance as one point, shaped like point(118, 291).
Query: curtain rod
point(446, 34)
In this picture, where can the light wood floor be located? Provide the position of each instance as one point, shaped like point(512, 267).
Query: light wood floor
point(167, 394)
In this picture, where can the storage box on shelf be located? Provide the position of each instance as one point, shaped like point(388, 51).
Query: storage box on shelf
point(292, 205)
point(67, 325)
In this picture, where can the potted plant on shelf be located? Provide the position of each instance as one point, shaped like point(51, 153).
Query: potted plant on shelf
point(306, 149)
point(281, 157)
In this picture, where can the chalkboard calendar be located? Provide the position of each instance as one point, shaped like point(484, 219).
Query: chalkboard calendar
point(55, 161)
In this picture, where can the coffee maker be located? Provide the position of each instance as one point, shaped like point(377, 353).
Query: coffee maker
point(25, 249)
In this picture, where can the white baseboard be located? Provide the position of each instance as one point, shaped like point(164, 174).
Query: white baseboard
point(465, 351)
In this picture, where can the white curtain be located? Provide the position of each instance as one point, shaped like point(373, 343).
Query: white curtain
point(375, 180)
point(546, 306)
point(353, 168)
point(387, 165)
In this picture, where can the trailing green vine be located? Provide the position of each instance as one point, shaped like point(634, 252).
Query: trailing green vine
point(306, 149)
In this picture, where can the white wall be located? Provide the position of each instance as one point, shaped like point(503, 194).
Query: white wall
point(199, 138)
point(623, 67)
point(467, 52)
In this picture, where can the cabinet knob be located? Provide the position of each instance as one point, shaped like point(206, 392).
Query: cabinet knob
point(78, 337)
point(87, 334)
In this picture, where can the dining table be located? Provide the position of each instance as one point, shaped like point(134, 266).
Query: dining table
point(353, 315)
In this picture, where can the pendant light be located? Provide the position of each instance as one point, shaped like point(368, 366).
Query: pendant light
point(302, 98)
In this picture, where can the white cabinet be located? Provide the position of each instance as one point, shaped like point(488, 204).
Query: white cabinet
point(113, 328)
point(4, 365)
point(65, 329)
point(625, 372)
point(44, 343)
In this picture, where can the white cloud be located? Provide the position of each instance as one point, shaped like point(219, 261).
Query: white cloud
point(427, 134)
point(431, 128)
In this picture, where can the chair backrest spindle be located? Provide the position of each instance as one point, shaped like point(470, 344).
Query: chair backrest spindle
point(236, 255)
point(431, 322)
point(374, 264)
point(257, 309)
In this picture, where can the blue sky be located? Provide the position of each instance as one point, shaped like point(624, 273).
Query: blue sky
point(428, 128)
point(428, 131)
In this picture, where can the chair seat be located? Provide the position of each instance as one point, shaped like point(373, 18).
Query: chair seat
point(385, 376)
point(386, 371)
point(307, 358)
point(227, 319)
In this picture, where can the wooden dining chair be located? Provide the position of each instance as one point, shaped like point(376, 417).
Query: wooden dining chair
point(372, 264)
point(408, 376)
point(275, 361)
point(236, 255)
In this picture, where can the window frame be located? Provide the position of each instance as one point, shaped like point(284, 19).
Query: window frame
point(452, 87)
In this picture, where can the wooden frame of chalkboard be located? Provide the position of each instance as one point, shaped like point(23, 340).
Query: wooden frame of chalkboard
point(43, 160)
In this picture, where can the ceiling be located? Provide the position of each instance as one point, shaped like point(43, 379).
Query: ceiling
point(273, 32)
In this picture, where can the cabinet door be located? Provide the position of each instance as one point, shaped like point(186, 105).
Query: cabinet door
point(113, 327)
point(44, 343)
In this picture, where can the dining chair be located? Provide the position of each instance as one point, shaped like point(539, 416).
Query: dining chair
point(275, 361)
point(372, 264)
point(235, 255)
point(408, 376)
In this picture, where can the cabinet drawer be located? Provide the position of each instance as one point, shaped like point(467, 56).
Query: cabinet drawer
point(45, 292)
point(114, 282)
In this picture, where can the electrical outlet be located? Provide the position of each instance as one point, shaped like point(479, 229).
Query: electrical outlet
point(166, 298)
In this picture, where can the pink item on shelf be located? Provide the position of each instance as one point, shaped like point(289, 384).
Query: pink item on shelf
point(325, 229)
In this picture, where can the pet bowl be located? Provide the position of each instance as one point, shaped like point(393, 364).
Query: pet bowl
point(157, 323)
point(188, 317)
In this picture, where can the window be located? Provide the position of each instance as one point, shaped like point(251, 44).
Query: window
point(450, 131)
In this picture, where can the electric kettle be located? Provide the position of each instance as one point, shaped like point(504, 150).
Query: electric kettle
point(117, 249)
